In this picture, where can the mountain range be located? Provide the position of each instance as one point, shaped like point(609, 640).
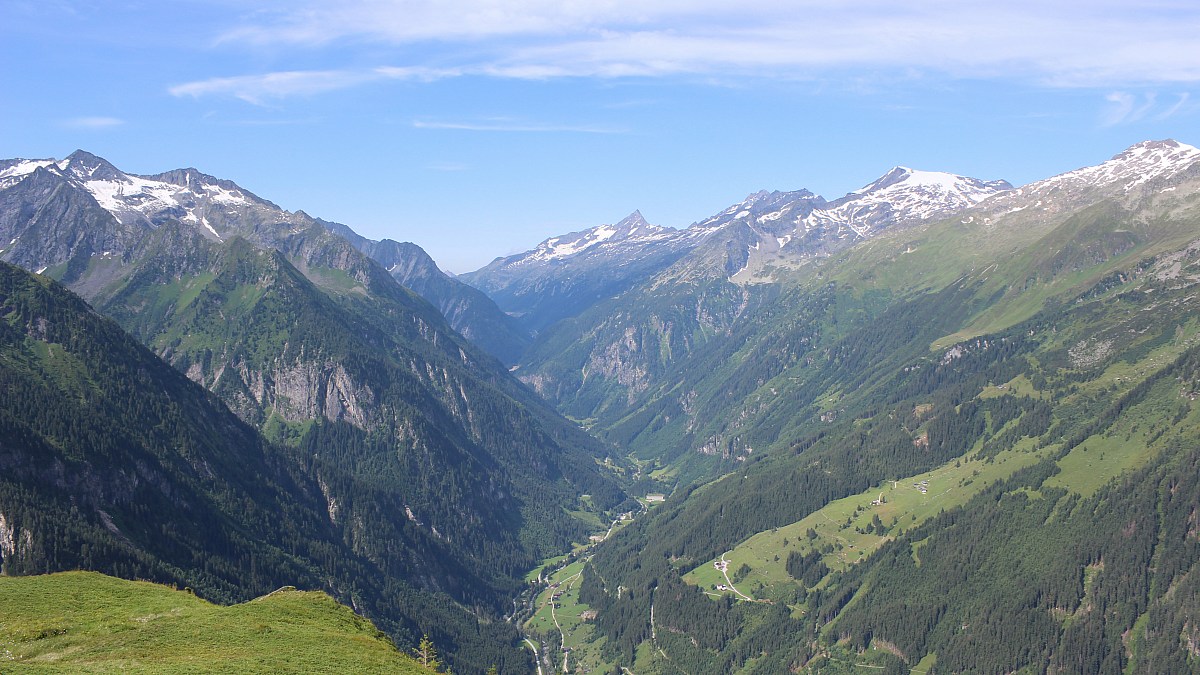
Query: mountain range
point(565, 275)
point(933, 448)
point(939, 423)
point(648, 301)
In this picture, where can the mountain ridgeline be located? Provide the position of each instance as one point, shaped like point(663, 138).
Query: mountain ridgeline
point(471, 312)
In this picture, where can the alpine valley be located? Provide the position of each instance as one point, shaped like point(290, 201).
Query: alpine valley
point(940, 424)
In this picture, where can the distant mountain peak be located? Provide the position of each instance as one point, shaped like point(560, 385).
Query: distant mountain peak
point(893, 176)
point(83, 165)
point(1130, 169)
point(1168, 151)
point(904, 177)
point(633, 226)
point(902, 195)
point(1168, 144)
point(764, 198)
point(762, 207)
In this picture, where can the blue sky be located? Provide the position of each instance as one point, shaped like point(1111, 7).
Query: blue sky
point(477, 128)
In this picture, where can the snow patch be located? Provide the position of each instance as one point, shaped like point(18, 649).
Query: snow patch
point(902, 195)
point(204, 222)
point(569, 245)
point(1139, 164)
point(24, 167)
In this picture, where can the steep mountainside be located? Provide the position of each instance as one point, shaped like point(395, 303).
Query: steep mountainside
point(380, 389)
point(471, 312)
point(111, 460)
point(968, 445)
point(83, 219)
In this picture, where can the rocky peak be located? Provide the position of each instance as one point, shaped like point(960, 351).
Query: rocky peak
point(1134, 173)
point(1155, 158)
point(764, 208)
point(938, 187)
point(904, 195)
point(631, 225)
point(83, 165)
point(200, 183)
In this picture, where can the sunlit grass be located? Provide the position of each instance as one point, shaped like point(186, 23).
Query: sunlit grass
point(85, 622)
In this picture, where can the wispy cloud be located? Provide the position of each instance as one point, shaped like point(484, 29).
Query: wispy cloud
point(1180, 105)
point(262, 88)
point(259, 89)
point(93, 122)
point(513, 126)
point(1127, 108)
point(1068, 43)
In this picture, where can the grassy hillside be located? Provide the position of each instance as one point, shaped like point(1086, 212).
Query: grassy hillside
point(86, 622)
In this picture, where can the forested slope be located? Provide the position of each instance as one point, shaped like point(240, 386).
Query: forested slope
point(113, 461)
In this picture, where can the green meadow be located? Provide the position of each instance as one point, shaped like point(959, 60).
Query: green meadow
point(86, 622)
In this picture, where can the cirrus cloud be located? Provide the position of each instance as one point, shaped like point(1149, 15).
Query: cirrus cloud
point(1070, 42)
point(1099, 44)
point(258, 89)
point(93, 122)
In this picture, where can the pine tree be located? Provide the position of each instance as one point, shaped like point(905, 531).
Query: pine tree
point(426, 654)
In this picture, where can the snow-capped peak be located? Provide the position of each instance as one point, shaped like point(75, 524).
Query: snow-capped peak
point(1167, 151)
point(947, 189)
point(902, 196)
point(18, 168)
point(84, 166)
point(183, 194)
point(632, 227)
point(13, 171)
point(764, 208)
point(1136, 165)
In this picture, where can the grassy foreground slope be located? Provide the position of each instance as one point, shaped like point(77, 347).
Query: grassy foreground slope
point(86, 622)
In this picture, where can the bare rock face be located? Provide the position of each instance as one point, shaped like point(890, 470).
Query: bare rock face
point(297, 391)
